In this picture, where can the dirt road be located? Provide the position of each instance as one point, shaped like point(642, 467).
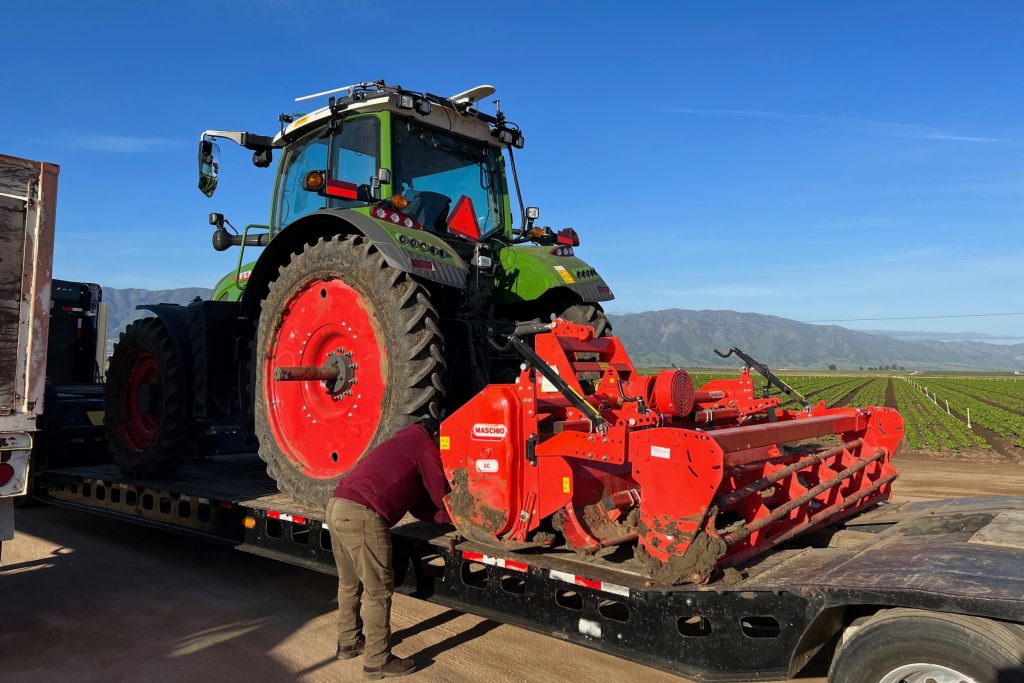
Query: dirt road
point(84, 598)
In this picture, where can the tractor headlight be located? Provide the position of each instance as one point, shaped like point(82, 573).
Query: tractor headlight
point(406, 101)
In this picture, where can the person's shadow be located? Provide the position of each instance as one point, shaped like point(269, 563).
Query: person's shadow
point(425, 657)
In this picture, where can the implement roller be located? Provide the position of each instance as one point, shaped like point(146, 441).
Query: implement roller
point(698, 479)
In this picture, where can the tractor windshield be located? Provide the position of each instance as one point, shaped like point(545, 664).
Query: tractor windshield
point(434, 169)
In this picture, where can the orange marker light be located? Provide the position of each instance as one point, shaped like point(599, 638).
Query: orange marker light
point(249, 523)
point(398, 201)
point(314, 181)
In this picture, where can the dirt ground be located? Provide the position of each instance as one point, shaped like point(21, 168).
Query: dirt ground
point(84, 598)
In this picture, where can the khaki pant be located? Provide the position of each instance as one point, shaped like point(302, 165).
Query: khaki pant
point(361, 542)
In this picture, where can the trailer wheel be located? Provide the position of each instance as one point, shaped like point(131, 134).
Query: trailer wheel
point(338, 304)
point(147, 419)
point(916, 646)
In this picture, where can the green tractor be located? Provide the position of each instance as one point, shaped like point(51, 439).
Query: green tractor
point(391, 257)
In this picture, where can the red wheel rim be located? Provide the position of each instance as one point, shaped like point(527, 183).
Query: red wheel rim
point(325, 434)
point(140, 415)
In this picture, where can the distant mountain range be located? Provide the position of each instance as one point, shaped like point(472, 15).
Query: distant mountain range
point(687, 338)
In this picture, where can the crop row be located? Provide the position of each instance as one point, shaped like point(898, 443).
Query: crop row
point(1008, 423)
point(871, 394)
point(986, 392)
point(929, 426)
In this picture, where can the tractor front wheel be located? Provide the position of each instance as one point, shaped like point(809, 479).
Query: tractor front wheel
point(338, 309)
point(147, 419)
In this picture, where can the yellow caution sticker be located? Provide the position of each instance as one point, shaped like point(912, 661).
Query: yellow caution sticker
point(566, 275)
point(446, 443)
point(566, 487)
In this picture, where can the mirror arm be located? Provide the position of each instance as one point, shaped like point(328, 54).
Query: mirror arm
point(251, 141)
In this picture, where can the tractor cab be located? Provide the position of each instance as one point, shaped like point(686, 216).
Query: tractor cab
point(403, 158)
point(430, 158)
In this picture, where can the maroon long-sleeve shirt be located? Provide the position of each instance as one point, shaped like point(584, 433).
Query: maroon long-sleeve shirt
point(403, 474)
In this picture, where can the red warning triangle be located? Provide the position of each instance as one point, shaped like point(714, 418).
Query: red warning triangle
point(462, 220)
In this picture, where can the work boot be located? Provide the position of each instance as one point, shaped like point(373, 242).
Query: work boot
point(394, 667)
point(351, 651)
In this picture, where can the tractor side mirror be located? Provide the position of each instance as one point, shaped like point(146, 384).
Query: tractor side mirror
point(209, 166)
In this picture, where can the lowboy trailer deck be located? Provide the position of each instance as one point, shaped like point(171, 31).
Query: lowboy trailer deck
point(958, 563)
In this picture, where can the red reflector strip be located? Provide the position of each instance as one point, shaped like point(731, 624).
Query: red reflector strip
point(603, 289)
point(495, 561)
point(339, 188)
point(577, 580)
point(285, 517)
point(421, 264)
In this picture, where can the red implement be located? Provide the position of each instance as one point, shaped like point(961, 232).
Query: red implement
point(699, 478)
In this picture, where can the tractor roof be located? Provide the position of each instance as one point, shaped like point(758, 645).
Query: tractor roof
point(455, 113)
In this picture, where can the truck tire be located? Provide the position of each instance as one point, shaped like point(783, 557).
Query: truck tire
point(339, 302)
point(916, 646)
point(147, 420)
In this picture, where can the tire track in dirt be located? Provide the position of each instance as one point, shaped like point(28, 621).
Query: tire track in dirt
point(890, 395)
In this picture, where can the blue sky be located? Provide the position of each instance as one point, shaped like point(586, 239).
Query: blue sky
point(819, 161)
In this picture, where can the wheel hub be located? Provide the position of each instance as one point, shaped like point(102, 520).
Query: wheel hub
point(925, 673)
point(341, 361)
point(140, 402)
point(147, 397)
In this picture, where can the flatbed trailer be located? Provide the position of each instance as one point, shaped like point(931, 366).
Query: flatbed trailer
point(962, 559)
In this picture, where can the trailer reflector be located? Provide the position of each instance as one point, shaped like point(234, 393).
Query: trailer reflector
point(249, 523)
point(285, 517)
point(578, 580)
point(495, 561)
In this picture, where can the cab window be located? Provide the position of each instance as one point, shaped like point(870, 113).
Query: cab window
point(354, 153)
point(292, 201)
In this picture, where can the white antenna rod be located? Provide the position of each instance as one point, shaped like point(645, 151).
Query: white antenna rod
point(329, 92)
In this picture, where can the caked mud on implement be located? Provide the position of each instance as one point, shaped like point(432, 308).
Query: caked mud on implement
point(698, 479)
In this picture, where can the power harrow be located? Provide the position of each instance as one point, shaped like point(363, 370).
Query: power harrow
point(701, 479)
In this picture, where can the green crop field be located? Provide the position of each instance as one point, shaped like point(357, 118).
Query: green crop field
point(936, 407)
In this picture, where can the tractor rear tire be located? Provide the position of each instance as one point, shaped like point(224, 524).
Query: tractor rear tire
point(148, 424)
point(339, 302)
point(589, 314)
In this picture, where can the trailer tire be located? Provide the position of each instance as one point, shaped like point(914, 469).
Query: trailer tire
point(157, 439)
point(340, 295)
point(907, 644)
